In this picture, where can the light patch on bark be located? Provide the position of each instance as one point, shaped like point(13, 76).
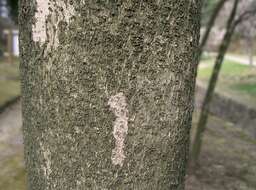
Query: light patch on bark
point(118, 105)
point(39, 27)
point(47, 160)
point(46, 21)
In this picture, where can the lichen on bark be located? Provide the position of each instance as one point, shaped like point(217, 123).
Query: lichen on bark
point(118, 105)
point(144, 49)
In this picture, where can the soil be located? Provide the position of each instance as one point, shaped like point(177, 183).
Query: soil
point(12, 173)
point(227, 160)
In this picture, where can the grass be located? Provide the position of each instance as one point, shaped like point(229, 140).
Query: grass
point(247, 88)
point(229, 69)
point(13, 175)
point(236, 80)
point(8, 90)
point(9, 69)
point(9, 81)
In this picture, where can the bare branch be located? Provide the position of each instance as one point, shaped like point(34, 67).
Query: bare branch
point(249, 12)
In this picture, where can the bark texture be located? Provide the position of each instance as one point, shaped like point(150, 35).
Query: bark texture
point(108, 92)
point(230, 28)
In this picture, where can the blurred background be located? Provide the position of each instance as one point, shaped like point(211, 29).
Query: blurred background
point(226, 157)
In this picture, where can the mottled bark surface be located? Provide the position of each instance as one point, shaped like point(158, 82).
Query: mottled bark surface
point(108, 93)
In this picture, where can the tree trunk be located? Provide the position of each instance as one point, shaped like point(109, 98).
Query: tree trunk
point(251, 50)
point(211, 87)
point(210, 25)
point(107, 90)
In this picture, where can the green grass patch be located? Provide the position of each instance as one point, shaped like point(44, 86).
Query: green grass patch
point(8, 90)
point(246, 88)
point(237, 81)
point(9, 81)
point(8, 70)
point(13, 175)
point(229, 69)
point(233, 68)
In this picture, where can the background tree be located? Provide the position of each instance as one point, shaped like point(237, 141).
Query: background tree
point(247, 31)
point(107, 89)
point(210, 24)
point(208, 7)
point(232, 23)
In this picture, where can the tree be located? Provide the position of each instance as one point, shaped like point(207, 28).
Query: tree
point(210, 25)
point(208, 7)
point(107, 89)
point(232, 23)
point(247, 31)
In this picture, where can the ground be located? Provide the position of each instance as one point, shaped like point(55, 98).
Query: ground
point(12, 174)
point(227, 161)
point(236, 81)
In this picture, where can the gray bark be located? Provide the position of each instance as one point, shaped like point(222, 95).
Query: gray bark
point(108, 92)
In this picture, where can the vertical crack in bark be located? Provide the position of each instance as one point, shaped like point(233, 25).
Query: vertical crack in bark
point(118, 105)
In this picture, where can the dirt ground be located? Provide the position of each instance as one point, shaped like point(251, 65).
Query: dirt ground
point(12, 174)
point(227, 162)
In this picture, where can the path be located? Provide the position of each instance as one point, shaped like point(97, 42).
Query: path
point(10, 128)
point(12, 174)
point(244, 60)
point(238, 59)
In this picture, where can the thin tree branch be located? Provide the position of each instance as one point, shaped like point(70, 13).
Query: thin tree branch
point(245, 16)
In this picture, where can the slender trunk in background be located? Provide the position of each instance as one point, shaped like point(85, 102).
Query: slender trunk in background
point(211, 86)
point(251, 50)
point(210, 25)
point(107, 90)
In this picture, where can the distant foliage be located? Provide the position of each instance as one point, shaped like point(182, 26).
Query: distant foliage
point(13, 6)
